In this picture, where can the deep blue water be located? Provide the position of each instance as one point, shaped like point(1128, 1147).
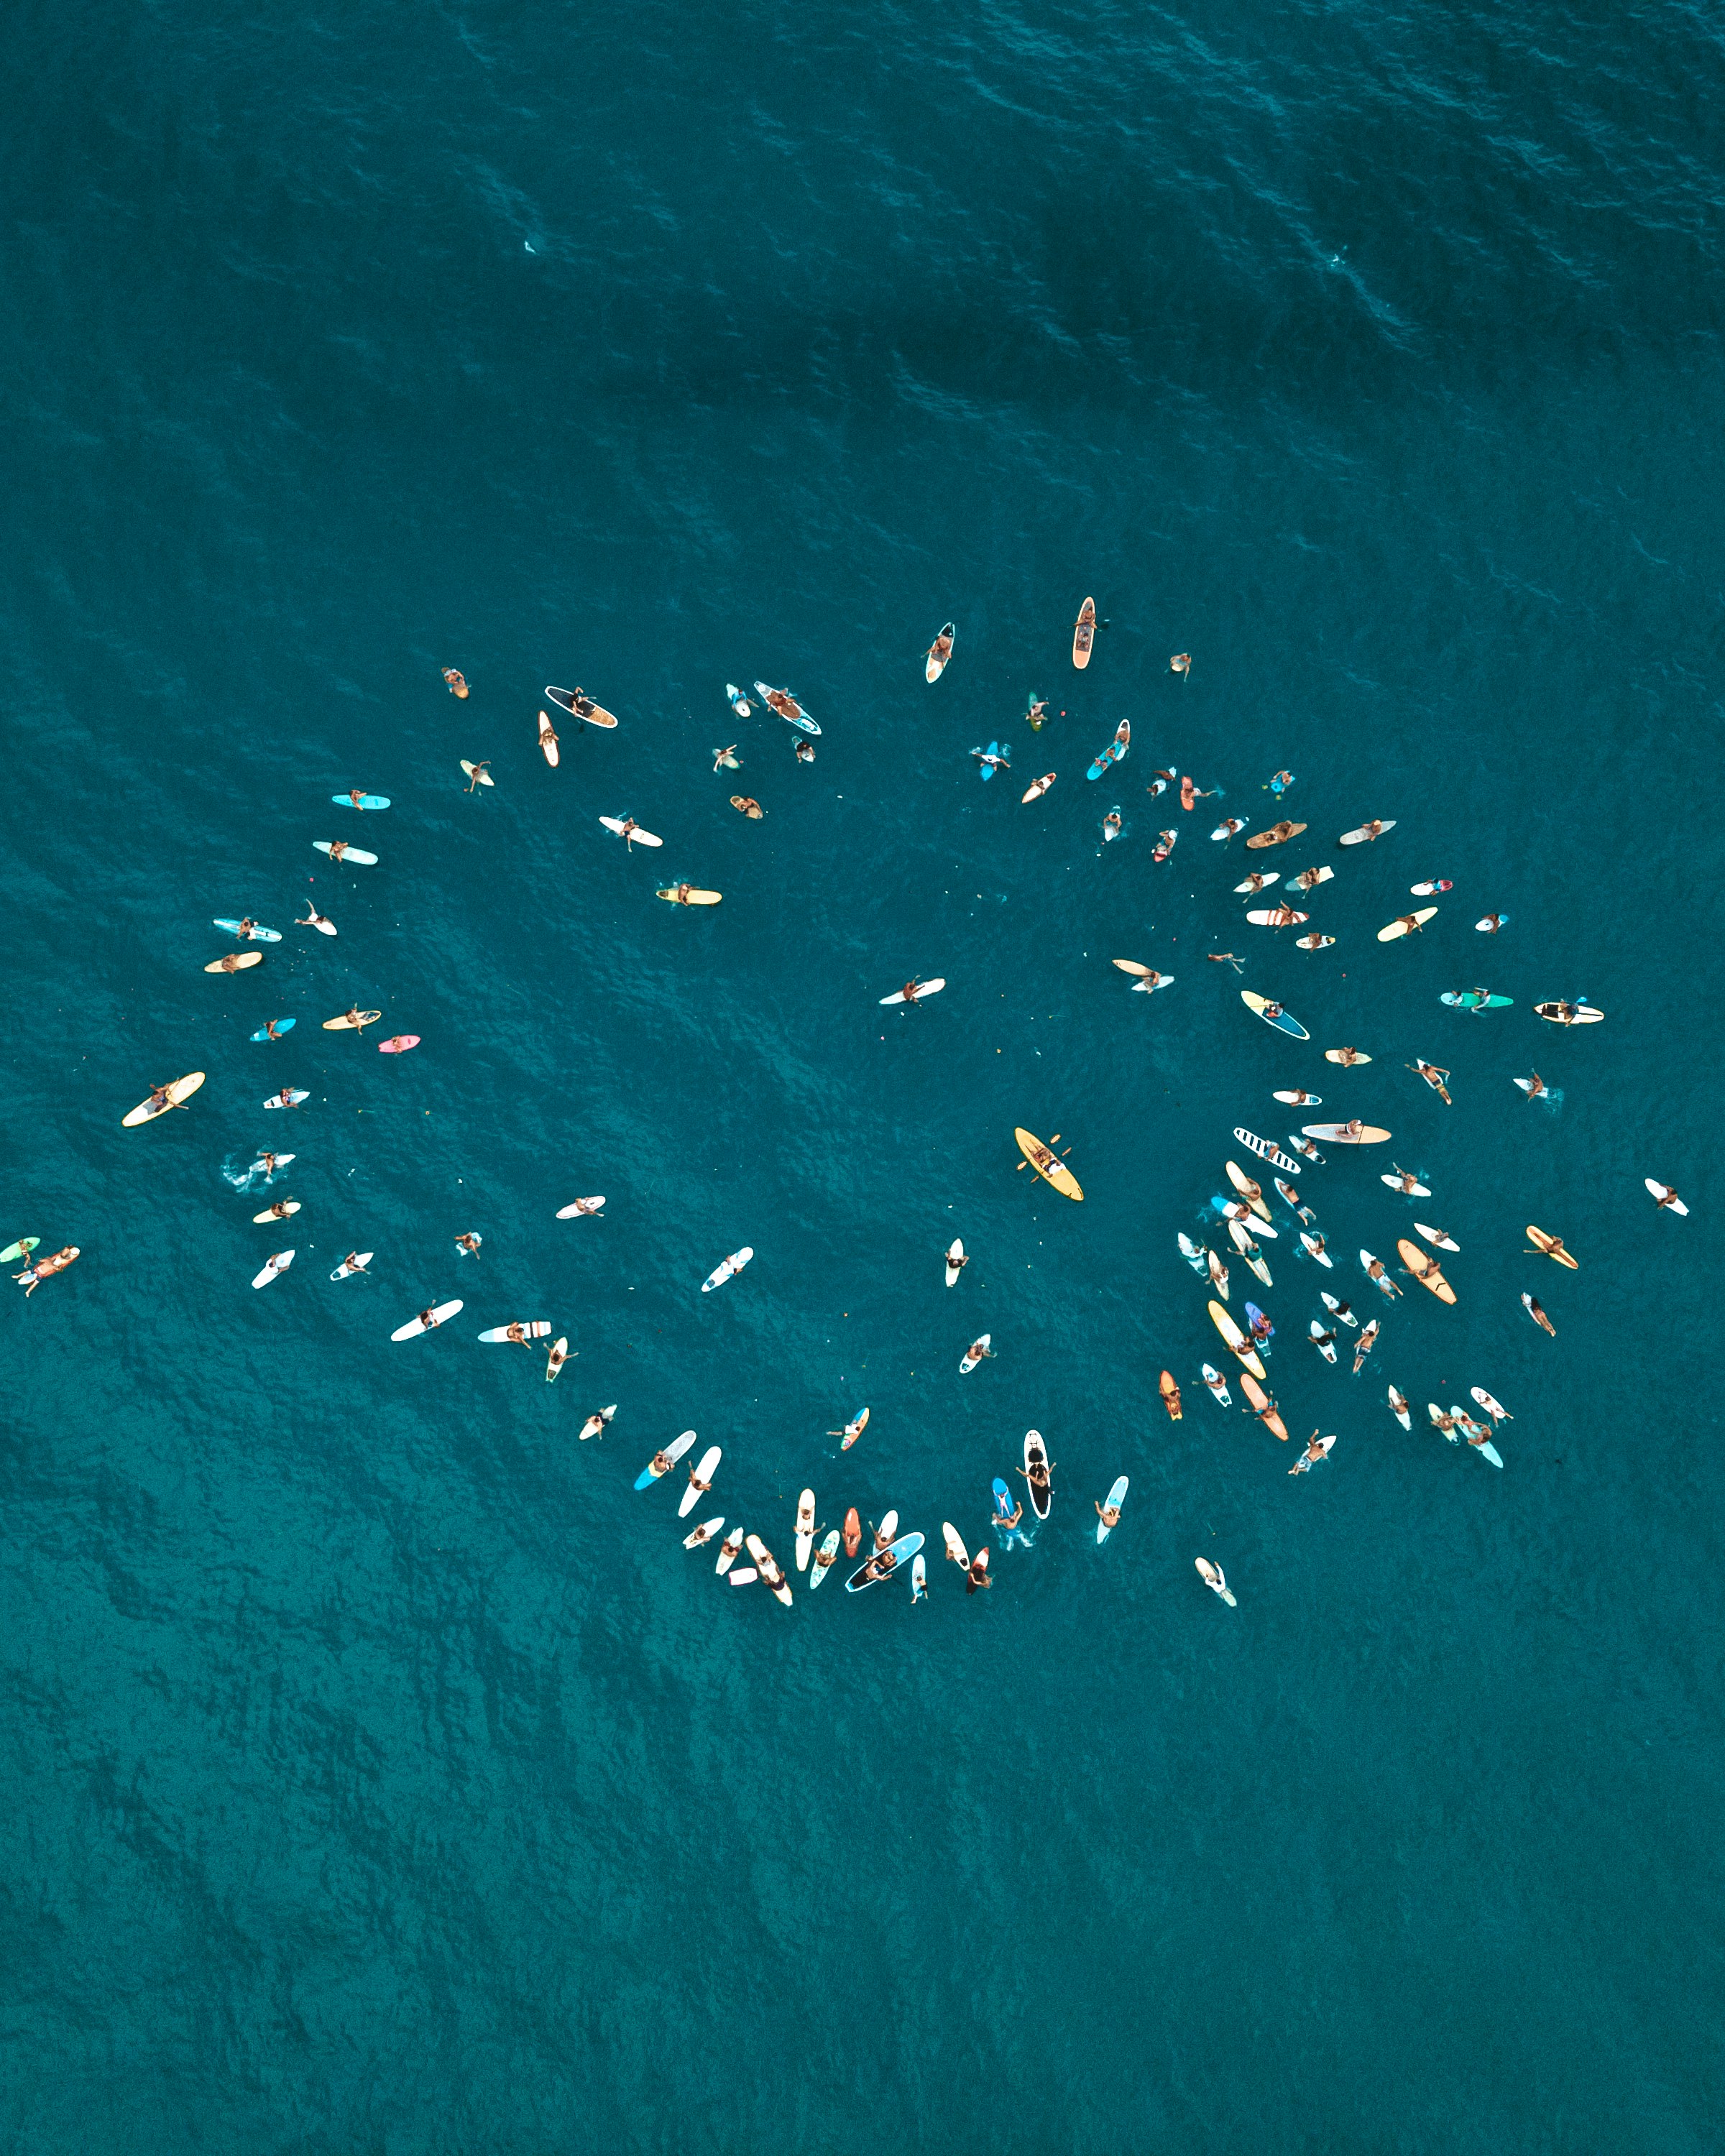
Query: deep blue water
point(382, 1773)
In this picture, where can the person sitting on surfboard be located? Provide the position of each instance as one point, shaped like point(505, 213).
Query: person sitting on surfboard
point(909, 990)
point(978, 1351)
point(280, 1210)
point(1036, 1474)
point(1037, 713)
point(354, 1262)
point(726, 759)
point(1352, 1127)
point(159, 1099)
point(1111, 825)
point(1347, 1057)
point(356, 797)
point(456, 680)
point(427, 1318)
point(517, 1333)
point(313, 919)
point(337, 847)
point(1491, 923)
point(1181, 663)
point(978, 1574)
point(581, 704)
point(284, 1098)
point(1281, 781)
point(804, 751)
point(355, 1017)
point(1109, 1515)
point(476, 774)
point(468, 1244)
point(746, 804)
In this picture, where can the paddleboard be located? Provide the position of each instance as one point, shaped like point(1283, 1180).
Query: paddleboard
point(360, 800)
point(939, 652)
point(1264, 1409)
point(274, 1268)
point(1398, 1409)
point(1437, 1237)
point(954, 1542)
point(701, 1480)
point(1281, 916)
point(825, 1559)
point(440, 1316)
point(1550, 1246)
point(1471, 1000)
point(579, 705)
point(1111, 1503)
point(1038, 786)
point(294, 1095)
point(922, 989)
point(398, 1044)
point(687, 895)
point(1278, 834)
point(1036, 1454)
point(786, 706)
point(662, 1462)
point(535, 1329)
point(580, 1209)
point(1426, 1271)
point(704, 1533)
point(1364, 833)
point(900, 1552)
point(281, 1026)
point(955, 1261)
point(727, 1551)
point(345, 1024)
point(21, 1248)
point(1339, 1133)
point(1053, 1172)
point(356, 854)
point(1326, 1347)
point(289, 1206)
point(1264, 1150)
point(1273, 1015)
point(555, 1356)
point(1115, 751)
point(1579, 1013)
point(805, 1529)
point(255, 934)
point(1406, 923)
point(1084, 635)
point(1217, 1386)
point(970, 1361)
point(479, 777)
point(182, 1090)
point(637, 837)
point(236, 962)
point(1669, 1201)
point(728, 1271)
point(1236, 1340)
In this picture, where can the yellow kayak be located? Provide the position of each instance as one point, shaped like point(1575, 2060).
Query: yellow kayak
point(1052, 1170)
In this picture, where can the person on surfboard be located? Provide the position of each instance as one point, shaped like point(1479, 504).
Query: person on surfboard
point(1109, 1515)
point(1226, 958)
point(1008, 1523)
point(267, 1163)
point(1347, 1057)
point(354, 1262)
point(1038, 1473)
point(31, 1277)
point(284, 1098)
point(313, 919)
point(1110, 825)
point(1181, 663)
point(746, 804)
point(1491, 923)
point(1037, 714)
point(469, 1244)
point(1281, 781)
point(337, 847)
point(456, 680)
point(978, 1351)
point(1316, 1448)
point(516, 1334)
point(804, 751)
point(1434, 1075)
point(280, 1210)
point(726, 759)
point(476, 775)
point(978, 1574)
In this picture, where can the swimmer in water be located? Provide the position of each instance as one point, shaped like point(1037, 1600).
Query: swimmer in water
point(313, 919)
point(453, 676)
point(1281, 781)
point(1181, 663)
point(1110, 825)
point(1226, 958)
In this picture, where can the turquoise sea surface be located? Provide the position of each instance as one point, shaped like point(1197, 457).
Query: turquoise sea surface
point(382, 1773)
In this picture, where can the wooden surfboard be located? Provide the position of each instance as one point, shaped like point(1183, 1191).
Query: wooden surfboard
point(1084, 635)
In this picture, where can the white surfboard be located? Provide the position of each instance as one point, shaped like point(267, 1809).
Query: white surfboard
point(1436, 1237)
point(1299, 1098)
point(1038, 786)
point(295, 1094)
point(582, 1207)
point(348, 853)
point(440, 1316)
point(1217, 1386)
point(274, 1268)
point(1111, 1503)
point(1315, 1249)
point(556, 1355)
point(548, 740)
point(637, 836)
point(1495, 1409)
point(290, 1207)
point(1255, 883)
point(744, 1576)
point(805, 1529)
point(1325, 1348)
point(955, 1261)
point(535, 1328)
point(727, 1550)
point(1663, 1190)
point(924, 988)
point(702, 1474)
point(1286, 917)
point(968, 1362)
point(361, 1258)
point(704, 1533)
point(1363, 833)
point(732, 1266)
point(594, 1426)
point(955, 1544)
point(1395, 1182)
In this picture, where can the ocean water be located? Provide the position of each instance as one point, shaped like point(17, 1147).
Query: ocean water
point(382, 1775)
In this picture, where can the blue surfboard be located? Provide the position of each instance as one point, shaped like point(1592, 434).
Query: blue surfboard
point(365, 801)
point(1115, 749)
point(257, 935)
point(993, 749)
point(1254, 1315)
point(1003, 1503)
point(904, 1549)
point(282, 1026)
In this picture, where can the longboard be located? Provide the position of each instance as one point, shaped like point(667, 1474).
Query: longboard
point(1084, 635)
point(1266, 1151)
point(535, 1329)
point(687, 895)
point(580, 707)
point(274, 1268)
point(21, 1248)
point(1551, 1246)
point(1237, 1342)
point(1578, 1013)
point(1281, 917)
point(357, 800)
point(1278, 834)
point(274, 1029)
point(1426, 1271)
point(285, 1211)
point(347, 853)
point(703, 1472)
point(1250, 1191)
point(255, 934)
point(906, 1547)
point(1363, 833)
point(548, 741)
point(441, 1316)
point(805, 1529)
point(1437, 1237)
point(768, 1567)
point(398, 1044)
point(236, 962)
point(1339, 1133)
point(1115, 751)
point(1405, 924)
point(1111, 1503)
point(1309, 879)
point(1261, 1407)
point(704, 1533)
point(782, 701)
point(955, 1261)
point(1274, 1015)
point(346, 1024)
point(1043, 1162)
point(637, 837)
point(728, 1271)
point(1035, 1453)
point(182, 1090)
point(922, 989)
point(1669, 1200)
point(1395, 1182)
point(939, 652)
point(662, 1462)
point(1170, 1392)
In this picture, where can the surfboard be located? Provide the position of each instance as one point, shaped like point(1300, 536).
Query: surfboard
point(704, 1533)
point(1115, 751)
point(727, 1551)
point(1263, 1409)
point(1348, 1058)
point(1111, 1503)
point(955, 1261)
point(1170, 1392)
point(1005, 1504)
point(356, 854)
point(1489, 924)
point(1217, 1387)
point(360, 800)
point(1363, 833)
point(1278, 834)
point(1314, 1248)
point(1551, 1246)
point(1038, 786)
point(728, 1271)
point(255, 934)
point(939, 652)
point(440, 1316)
point(1084, 635)
point(1339, 1133)
point(555, 1356)
point(969, 1361)
point(1290, 1197)
point(852, 1430)
point(805, 1529)
point(1196, 1257)
point(346, 1024)
point(1338, 1310)
point(1250, 1191)
point(899, 1551)
point(236, 962)
point(887, 1529)
point(1495, 1409)
point(1398, 1409)
point(768, 1567)
point(1395, 1182)
point(1367, 1341)
point(1313, 943)
point(1230, 829)
point(579, 705)
point(1472, 999)
point(687, 895)
point(1216, 1581)
point(1579, 1013)
point(1283, 916)
point(1433, 887)
point(1406, 923)
point(852, 1532)
point(1256, 882)
point(825, 1559)
point(1035, 1453)
point(595, 1424)
point(274, 1268)
point(21, 1248)
point(919, 1578)
point(458, 685)
point(535, 1329)
point(924, 988)
point(635, 838)
point(1663, 1192)
point(398, 1044)
point(738, 702)
point(1309, 879)
point(479, 777)
point(182, 1090)
point(1325, 1348)
point(581, 1207)
point(1264, 1150)
point(281, 1162)
point(1426, 1271)
point(1249, 1225)
point(662, 1462)
point(281, 1024)
point(1298, 1098)
point(1437, 1237)
point(1043, 1162)
point(1485, 1450)
point(1278, 1018)
point(703, 1472)
point(1236, 1340)
point(786, 706)
point(955, 1544)
point(295, 1094)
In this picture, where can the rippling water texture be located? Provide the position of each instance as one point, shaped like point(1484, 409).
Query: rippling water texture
point(382, 1775)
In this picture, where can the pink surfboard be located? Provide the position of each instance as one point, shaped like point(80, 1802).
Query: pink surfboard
point(398, 1043)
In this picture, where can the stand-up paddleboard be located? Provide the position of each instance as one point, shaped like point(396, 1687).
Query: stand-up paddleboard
point(1398, 1409)
point(1277, 916)
point(178, 1093)
point(398, 1044)
point(686, 894)
point(1474, 999)
point(274, 1268)
point(1559, 1013)
point(1038, 786)
point(1309, 879)
point(1052, 1171)
point(283, 1211)
point(696, 1536)
point(274, 1029)
point(1363, 833)
point(1250, 1191)
point(970, 1359)
point(1170, 1392)
point(1439, 1238)
point(1669, 1201)
point(21, 1248)
point(728, 1550)
point(1342, 1134)
point(1084, 635)
point(236, 962)
point(1320, 1340)
point(357, 800)
point(1215, 1579)
point(956, 1551)
point(478, 773)
point(595, 1424)
point(1217, 1386)
point(1272, 1013)
point(1426, 1271)
point(728, 1271)
point(1115, 751)
point(1405, 924)
point(556, 1356)
point(661, 1464)
point(922, 989)
point(884, 1564)
point(580, 705)
point(1278, 834)
point(851, 1431)
point(1111, 1503)
point(1495, 1409)
point(1550, 1246)
point(935, 664)
point(768, 1567)
point(786, 706)
point(535, 1329)
point(1236, 1340)
point(1264, 1407)
point(634, 835)
point(356, 854)
point(1264, 1150)
point(295, 1095)
point(346, 1025)
point(440, 1316)
point(955, 1261)
point(580, 1209)
point(1036, 1454)
point(825, 1559)
point(700, 1480)
point(805, 1529)
point(253, 934)
point(1407, 1190)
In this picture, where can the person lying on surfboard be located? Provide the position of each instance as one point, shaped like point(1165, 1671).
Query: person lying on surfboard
point(31, 1277)
point(978, 1351)
point(468, 1244)
point(1434, 1075)
point(280, 1210)
point(978, 1574)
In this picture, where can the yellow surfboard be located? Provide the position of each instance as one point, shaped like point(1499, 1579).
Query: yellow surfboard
point(178, 1093)
point(1425, 1269)
point(1236, 1339)
point(1052, 1170)
point(688, 895)
point(236, 962)
point(346, 1024)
